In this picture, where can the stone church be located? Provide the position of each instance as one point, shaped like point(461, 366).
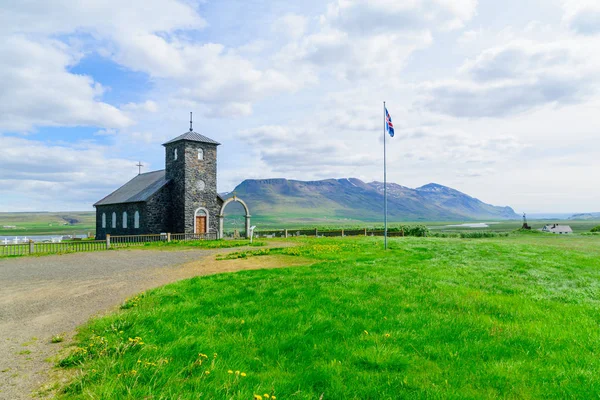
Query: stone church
point(182, 198)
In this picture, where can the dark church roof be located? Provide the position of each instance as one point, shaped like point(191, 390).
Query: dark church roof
point(140, 188)
point(193, 137)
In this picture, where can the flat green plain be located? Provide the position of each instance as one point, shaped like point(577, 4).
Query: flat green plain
point(84, 222)
point(47, 223)
point(431, 318)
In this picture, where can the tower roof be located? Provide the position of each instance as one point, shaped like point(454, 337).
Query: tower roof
point(192, 137)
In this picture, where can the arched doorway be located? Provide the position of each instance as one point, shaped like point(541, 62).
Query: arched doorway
point(222, 215)
point(201, 222)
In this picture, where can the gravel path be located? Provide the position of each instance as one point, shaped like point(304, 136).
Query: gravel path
point(45, 296)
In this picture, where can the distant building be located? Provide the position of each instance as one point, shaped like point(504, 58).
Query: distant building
point(558, 229)
point(182, 198)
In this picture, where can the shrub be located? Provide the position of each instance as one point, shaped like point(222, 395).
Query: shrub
point(480, 235)
point(444, 234)
point(596, 229)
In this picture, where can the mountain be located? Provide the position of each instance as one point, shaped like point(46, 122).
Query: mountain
point(354, 199)
point(585, 216)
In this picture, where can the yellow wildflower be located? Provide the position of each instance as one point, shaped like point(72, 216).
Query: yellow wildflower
point(257, 397)
point(266, 396)
point(207, 372)
point(230, 372)
point(215, 355)
point(243, 374)
point(273, 397)
point(387, 335)
point(366, 333)
point(237, 372)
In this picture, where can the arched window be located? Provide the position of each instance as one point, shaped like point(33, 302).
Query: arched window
point(124, 219)
point(175, 155)
point(114, 220)
point(136, 220)
point(103, 220)
point(200, 154)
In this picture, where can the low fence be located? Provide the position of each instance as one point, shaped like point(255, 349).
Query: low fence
point(286, 233)
point(22, 249)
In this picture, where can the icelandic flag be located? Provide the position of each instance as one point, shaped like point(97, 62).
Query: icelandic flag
point(389, 127)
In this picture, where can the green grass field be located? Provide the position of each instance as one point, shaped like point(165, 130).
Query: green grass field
point(44, 223)
point(68, 223)
point(511, 317)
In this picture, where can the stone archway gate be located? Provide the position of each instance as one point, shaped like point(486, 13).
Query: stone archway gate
point(222, 215)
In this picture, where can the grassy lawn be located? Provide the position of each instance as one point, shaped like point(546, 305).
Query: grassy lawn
point(198, 244)
point(511, 317)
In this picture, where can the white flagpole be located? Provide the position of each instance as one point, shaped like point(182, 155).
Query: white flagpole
point(384, 181)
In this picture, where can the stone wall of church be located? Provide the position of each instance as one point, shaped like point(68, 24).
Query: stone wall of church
point(154, 217)
point(157, 212)
point(118, 210)
point(175, 172)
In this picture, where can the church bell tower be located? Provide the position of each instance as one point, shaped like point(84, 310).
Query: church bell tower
point(191, 169)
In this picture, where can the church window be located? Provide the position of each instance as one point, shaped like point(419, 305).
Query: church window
point(124, 219)
point(201, 185)
point(200, 154)
point(104, 220)
point(136, 220)
point(175, 155)
point(114, 220)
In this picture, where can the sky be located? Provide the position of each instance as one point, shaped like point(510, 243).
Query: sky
point(500, 100)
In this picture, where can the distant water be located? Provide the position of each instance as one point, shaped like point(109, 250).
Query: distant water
point(38, 238)
point(472, 225)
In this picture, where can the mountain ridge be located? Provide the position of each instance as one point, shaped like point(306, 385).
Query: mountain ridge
point(354, 199)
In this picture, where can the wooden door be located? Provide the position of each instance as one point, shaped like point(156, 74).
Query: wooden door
point(201, 224)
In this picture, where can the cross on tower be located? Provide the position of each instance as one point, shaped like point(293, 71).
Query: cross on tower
point(139, 165)
point(191, 129)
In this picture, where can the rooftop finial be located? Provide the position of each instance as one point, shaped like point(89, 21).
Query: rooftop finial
point(191, 129)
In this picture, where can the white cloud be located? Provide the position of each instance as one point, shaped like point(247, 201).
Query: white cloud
point(364, 40)
point(386, 16)
point(583, 16)
point(37, 90)
point(146, 106)
point(46, 177)
point(145, 36)
point(517, 77)
point(101, 17)
point(291, 25)
point(468, 37)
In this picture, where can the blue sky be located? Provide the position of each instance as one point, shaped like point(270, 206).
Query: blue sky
point(496, 99)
